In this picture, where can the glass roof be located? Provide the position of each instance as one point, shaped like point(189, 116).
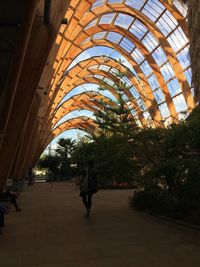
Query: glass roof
point(152, 37)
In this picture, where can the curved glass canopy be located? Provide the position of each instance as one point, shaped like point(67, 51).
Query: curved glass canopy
point(147, 40)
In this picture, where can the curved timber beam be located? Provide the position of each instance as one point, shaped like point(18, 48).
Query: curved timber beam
point(82, 122)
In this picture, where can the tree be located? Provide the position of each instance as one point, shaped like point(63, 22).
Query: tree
point(50, 162)
point(64, 150)
point(116, 119)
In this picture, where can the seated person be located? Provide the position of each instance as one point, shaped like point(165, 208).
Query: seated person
point(12, 196)
point(3, 210)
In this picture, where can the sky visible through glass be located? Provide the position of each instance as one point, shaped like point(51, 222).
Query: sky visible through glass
point(171, 30)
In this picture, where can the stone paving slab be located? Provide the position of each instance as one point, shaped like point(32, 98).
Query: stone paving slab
point(52, 231)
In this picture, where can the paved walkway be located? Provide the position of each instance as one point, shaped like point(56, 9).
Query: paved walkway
point(52, 231)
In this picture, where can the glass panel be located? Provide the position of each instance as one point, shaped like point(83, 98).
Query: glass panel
point(123, 20)
point(133, 112)
point(192, 91)
point(109, 81)
point(183, 116)
point(159, 56)
point(174, 87)
point(141, 104)
point(153, 82)
point(145, 67)
point(167, 71)
point(107, 19)
point(181, 7)
point(153, 9)
point(127, 81)
point(99, 77)
point(147, 115)
point(164, 110)
point(138, 29)
point(150, 42)
point(159, 96)
point(125, 98)
point(127, 44)
point(179, 102)
point(134, 92)
point(166, 23)
point(177, 39)
point(115, 1)
point(104, 67)
point(114, 71)
point(188, 75)
point(184, 57)
point(137, 56)
point(98, 3)
point(137, 4)
point(99, 35)
point(114, 37)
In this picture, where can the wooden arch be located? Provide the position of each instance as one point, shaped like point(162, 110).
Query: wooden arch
point(75, 39)
point(83, 123)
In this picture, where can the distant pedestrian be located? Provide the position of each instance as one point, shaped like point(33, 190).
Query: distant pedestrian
point(50, 177)
point(88, 186)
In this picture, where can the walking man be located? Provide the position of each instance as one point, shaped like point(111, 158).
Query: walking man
point(88, 186)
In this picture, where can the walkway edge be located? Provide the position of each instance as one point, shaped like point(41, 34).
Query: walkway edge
point(187, 225)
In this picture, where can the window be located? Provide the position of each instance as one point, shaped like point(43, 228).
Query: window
point(137, 4)
point(141, 104)
point(107, 19)
point(174, 87)
point(177, 39)
point(159, 97)
point(164, 110)
point(98, 3)
point(99, 35)
point(114, 37)
point(153, 9)
point(166, 23)
point(147, 115)
point(188, 74)
point(145, 67)
point(153, 82)
point(134, 92)
point(167, 71)
point(150, 42)
point(181, 7)
point(115, 1)
point(127, 45)
point(104, 68)
point(179, 102)
point(123, 21)
point(159, 56)
point(137, 56)
point(138, 29)
point(184, 57)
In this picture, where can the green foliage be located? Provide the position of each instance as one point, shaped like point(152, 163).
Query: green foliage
point(174, 166)
point(59, 163)
point(115, 119)
point(64, 150)
point(164, 163)
point(50, 162)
